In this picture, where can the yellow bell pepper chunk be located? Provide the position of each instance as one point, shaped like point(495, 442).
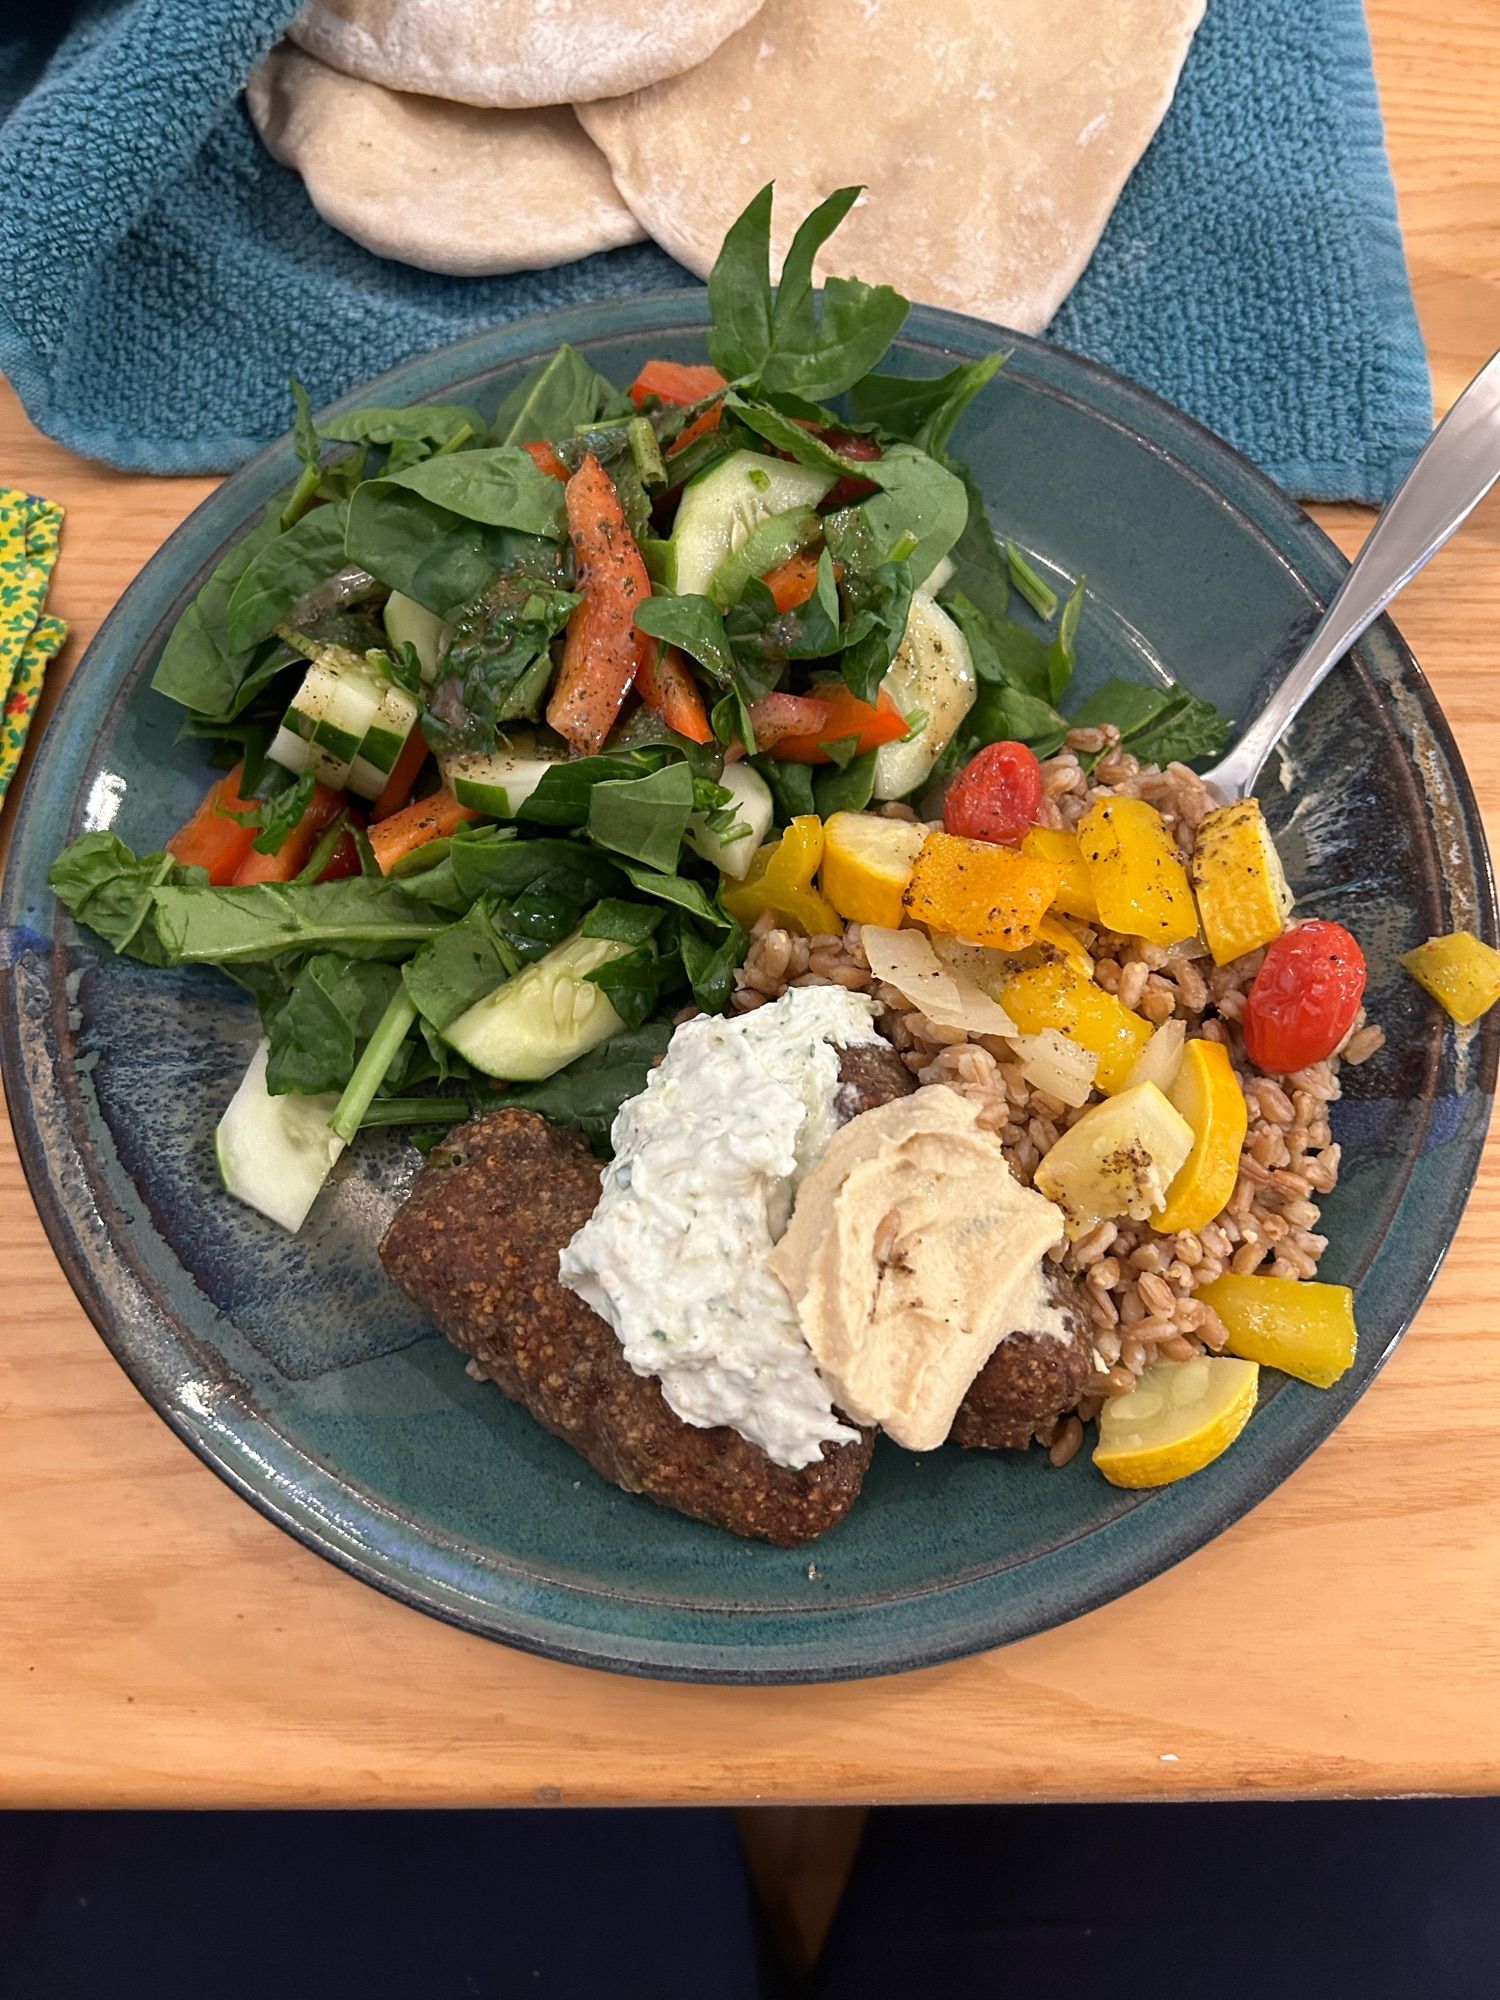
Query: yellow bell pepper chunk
point(1075, 893)
point(781, 880)
point(1207, 1093)
point(976, 889)
point(1243, 896)
point(1053, 935)
point(1139, 882)
point(1304, 1328)
point(1461, 971)
point(867, 863)
point(1058, 996)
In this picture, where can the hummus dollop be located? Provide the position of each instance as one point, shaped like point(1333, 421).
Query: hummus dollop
point(912, 1252)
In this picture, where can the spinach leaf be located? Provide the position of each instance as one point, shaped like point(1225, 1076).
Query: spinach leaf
point(923, 409)
point(589, 1092)
point(878, 606)
point(635, 982)
point(626, 923)
point(282, 572)
point(918, 515)
point(693, 623)
point(499, 486)
point(555, 399)
point(309, 446)
point(334, 1005)
point(420, 423)
point(1006, 714)
point(978, 565)
point(458, 967)
point(1003, 649)
point(498, 664)
point(362, 917)
point(791, 786)
point(548, 883)
point(710, 966)
point(198, 666)
point(564, 796)
point(1159, 725)
point(681, 890)
point(111, 889)
point(644, 818)
point(429, 552)
point(792, 345)
point(849, 789)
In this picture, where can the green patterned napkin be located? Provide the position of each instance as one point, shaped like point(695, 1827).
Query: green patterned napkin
point(29, 531)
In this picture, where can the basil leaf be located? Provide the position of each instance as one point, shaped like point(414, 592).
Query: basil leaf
point(562, 798)
point(282, 572)
point(111, 889)
point(334, 1005)
point(644, 818)
point(459, 967)
point(924, 409)
point(710, 967)
point(918, 515)
point(281, 812)
point(849, 789)
point(589, 1092)
point(564, 392)
point(417, 423)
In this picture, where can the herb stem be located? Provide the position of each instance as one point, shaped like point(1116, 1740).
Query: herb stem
point(301, 496)
point(414, 1111)
point(460, 437)
point(326, 848)
point(1036, 590)
point(370, 1071)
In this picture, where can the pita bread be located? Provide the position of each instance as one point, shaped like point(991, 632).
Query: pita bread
point(442, 186)
point(994, 137)
point(513, 54)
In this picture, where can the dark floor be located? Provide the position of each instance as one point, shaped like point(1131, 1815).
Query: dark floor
point(1253, 1902)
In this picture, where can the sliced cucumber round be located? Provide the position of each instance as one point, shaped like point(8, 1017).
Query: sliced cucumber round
point(724, 505)
point(932, 675)
point(410, 623)
point(732, 851)
point(500, 782)
point(544, 1018)
point(275, 1153)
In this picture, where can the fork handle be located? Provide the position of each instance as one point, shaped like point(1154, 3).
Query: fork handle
point(1457, 467)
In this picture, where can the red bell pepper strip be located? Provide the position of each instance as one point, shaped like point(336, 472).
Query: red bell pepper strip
point(665, 683)
point(211, 839)
point(845, 715)
point(601, 652)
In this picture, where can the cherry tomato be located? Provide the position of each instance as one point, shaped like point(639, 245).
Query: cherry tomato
point(343, 862)
point(844, 492)
point(1305, 997)
point(996, 796)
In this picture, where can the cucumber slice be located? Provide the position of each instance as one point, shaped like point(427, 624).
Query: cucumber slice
point(410, 623)
point(384, 740)
point(275, 1153)
point(753, 807)
point(544, 1018)
point(721, 507)
point(500, 783)
point(331, 712)
point(933, 672)
point(774, 541)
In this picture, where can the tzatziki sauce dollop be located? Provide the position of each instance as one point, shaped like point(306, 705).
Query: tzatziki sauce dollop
point(707, 1163)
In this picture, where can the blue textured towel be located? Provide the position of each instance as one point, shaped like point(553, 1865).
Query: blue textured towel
point(160, 276)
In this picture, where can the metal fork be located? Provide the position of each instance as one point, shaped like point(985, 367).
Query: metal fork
point(1458, 465)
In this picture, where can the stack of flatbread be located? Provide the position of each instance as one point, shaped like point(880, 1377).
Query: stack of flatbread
point(477, 136)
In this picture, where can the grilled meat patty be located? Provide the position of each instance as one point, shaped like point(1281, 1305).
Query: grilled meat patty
point(1029, 1379)
point(476, 1246)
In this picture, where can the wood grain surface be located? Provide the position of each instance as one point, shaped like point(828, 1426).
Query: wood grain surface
point(161, 1643)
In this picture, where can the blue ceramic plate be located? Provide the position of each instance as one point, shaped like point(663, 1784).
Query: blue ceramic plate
point(316, 1390)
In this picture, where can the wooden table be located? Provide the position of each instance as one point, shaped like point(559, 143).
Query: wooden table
point(160, 1643)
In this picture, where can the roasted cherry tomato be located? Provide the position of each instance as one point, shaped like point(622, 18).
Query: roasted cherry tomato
point(996, 796)
point(1305, 997)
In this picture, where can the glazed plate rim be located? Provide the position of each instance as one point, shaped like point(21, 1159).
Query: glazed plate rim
point(327, 1514)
